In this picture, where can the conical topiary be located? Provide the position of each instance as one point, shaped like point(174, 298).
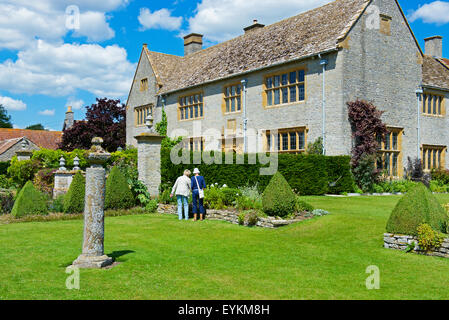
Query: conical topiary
point(417, 207)
point(278, 198)
point(74, 199)
point(118, 194)
point(29, 202)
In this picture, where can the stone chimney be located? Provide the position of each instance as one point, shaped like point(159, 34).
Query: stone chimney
point(434, 46)
point(193, 43)
point(69, 119)
point(255, 26)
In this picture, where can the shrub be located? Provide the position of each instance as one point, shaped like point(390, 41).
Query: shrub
point(164, 198)
point(241, 218)
point(44, 180)
point(245, 203)
point(229, 195)
point(415, 172)
point(418, 206)
point(278, 198)
point(320, 213)
point(5, 183)
point(438, 186)
point(316, 147)
point(57, 205)
point(29, 202)
point(214, 198)
point(4, 165)
point(429, 239)
point(22, 171)
point(6, 201)
point(440, 175)
point(74, 199)
point(252, 218)
point(302, 206)
point(365, 173)
point(339, 174)
point(118, 194)
point(151, 206)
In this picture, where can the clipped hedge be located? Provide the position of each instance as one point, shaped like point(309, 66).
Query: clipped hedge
point(306, 174)
point(29, 202)
point(118, 193)
point(417, 207)
point(278, 198)
point(74, 199)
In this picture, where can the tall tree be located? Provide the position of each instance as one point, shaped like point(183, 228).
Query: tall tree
point(105, 119)
point(5, 119)
point(35, 127)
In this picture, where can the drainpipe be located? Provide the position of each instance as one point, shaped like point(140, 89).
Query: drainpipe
point(324, 63)
point(245, 117)
point(419, 93)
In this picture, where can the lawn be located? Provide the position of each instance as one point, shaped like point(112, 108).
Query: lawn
point(162, 258)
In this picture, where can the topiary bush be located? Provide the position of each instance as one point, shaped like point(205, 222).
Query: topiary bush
point(29, 201)
point(278, 198)
point(118, 193)
point(74, 199)
point(417, 207)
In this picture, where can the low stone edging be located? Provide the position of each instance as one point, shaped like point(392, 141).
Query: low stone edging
point(232, 217)
point(402, 242)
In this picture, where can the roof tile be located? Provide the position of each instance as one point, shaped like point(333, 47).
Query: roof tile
point(43, 139)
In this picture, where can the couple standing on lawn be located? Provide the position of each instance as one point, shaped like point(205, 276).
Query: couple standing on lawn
point(182, 188)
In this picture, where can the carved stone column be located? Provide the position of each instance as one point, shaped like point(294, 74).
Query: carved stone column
point(93, 246)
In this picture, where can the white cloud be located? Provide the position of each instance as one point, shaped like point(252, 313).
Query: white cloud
point(22, 21)
point(59, 70)
point(435, 12)
point(47, 112)
point(12, 104)
point(161, 19)
point(75, 104)
point(220, 20)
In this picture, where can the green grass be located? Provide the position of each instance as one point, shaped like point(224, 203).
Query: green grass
point(322, 258)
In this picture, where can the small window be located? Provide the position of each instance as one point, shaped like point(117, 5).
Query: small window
point(385, 25)
point(141, 114)
point(233, 98)
point(433, 105)
point(390, 150)
point(433, 157)
point(191, 107)
point(285, 88)
point(286, 141)
point(144, 84)
point(193, 144)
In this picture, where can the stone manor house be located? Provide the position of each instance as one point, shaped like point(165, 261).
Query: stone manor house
point(290, 83)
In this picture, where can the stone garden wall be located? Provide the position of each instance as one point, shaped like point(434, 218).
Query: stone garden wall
point(232, 217)
point(401, 242)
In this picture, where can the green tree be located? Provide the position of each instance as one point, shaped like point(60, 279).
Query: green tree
point(36, 127)
point(5, 119)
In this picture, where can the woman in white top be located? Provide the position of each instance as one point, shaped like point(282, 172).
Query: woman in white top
point(182, 189)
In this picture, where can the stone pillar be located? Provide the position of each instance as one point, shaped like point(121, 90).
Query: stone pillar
point(63, 180)
point(93, 246)
point(149, 161)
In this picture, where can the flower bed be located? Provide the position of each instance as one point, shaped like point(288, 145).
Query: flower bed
point(410, 243)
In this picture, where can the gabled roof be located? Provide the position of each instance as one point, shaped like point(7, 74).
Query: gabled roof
point(309, 33)
point(5, 145)
point(435, 73)
point(43, 139)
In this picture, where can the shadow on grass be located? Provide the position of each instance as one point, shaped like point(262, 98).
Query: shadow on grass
point(116, 255)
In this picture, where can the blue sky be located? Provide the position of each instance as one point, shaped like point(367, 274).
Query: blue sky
point(46, 64)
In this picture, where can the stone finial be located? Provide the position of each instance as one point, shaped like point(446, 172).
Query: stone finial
point(98, 156)
point(76, 164)
point(62, 164)
point(149, 122)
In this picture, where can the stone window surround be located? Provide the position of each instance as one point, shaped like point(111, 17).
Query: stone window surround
point(425, 149)
point(203, 103)
point(282, 131)
point(231, 98)
point(392, 150)
point(425, 100)
point(280, 73)
point(144, 84)
point(141, 113)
